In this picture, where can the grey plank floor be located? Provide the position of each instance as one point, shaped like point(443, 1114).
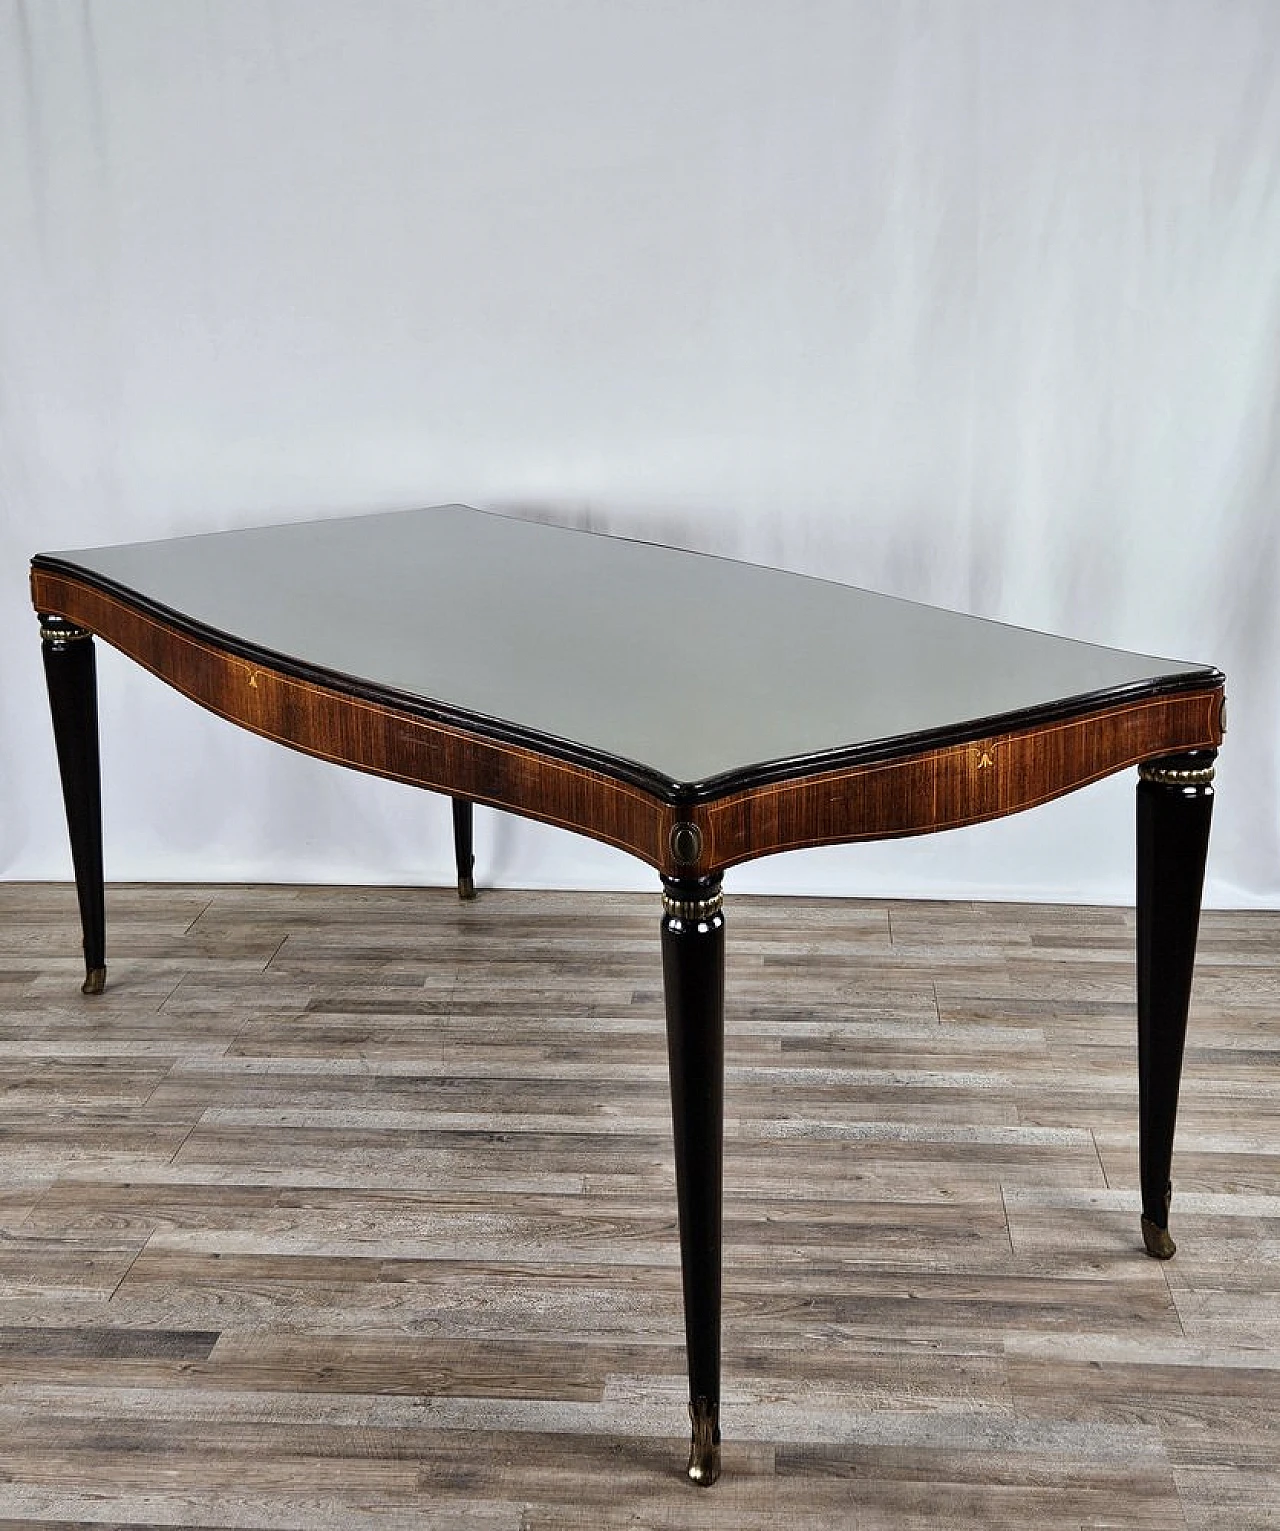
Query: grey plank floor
point(354, 1208)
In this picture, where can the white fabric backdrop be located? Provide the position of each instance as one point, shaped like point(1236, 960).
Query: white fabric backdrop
point(973, 302)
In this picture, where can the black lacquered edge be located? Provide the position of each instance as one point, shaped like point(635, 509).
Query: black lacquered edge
point(765, 773)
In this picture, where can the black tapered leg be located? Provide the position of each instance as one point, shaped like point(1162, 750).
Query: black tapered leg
point(462, 847)
point(693, 979)
point(1175, 803)
point(71, 674)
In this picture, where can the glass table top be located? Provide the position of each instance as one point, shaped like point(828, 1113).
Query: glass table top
point(689, 666)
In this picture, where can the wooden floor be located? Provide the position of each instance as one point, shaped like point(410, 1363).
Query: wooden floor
point(354, 1208)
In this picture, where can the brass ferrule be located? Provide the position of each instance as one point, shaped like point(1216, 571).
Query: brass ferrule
point(1159, 1244)
point(704, 1448)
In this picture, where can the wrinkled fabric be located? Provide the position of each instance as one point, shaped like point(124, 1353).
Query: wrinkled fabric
point(976, 303)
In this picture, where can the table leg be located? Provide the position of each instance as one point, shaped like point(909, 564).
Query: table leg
point(462, 847)
point(693, 980)
point(71, 674)
point(1175, 803)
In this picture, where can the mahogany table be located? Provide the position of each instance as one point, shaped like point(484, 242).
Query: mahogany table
point(695, 711)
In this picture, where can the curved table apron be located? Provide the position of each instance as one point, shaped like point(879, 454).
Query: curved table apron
point(849, 716)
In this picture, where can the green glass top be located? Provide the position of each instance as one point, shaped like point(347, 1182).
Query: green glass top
point(688, 666)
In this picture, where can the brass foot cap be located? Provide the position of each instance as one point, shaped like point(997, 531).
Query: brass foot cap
point(466, 888)
point(704, 1450)
point(95, 981)
point(1159, 1245)
point(704, 1467)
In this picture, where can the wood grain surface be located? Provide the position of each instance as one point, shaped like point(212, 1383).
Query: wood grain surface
point(354, 1208)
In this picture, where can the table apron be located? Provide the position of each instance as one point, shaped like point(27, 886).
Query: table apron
point(959, 784)
point(370, 736)
point(912, 793)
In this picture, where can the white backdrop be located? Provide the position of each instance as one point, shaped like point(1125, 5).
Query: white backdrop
point(973, 302)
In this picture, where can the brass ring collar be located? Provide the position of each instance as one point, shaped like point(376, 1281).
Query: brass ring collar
point(68, 634)
point(691, 909)
point(1176, 776)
